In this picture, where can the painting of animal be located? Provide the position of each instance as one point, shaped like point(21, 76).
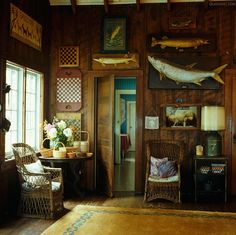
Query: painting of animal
point(181, 116)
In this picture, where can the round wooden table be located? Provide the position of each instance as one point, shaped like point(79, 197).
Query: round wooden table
point(76, 168)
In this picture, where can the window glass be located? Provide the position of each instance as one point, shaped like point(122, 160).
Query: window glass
point(23, 107)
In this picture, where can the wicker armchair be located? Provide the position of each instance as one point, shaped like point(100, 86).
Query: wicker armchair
point(156, 187)
point(41, 193)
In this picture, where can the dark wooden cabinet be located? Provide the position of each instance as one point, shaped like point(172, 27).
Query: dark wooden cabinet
point(210, 178)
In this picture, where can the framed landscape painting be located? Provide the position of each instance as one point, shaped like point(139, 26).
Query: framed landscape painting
point(114, 35)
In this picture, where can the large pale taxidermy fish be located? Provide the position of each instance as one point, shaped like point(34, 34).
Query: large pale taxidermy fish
point(179, 42)
point(114, 60)
point(181, 74)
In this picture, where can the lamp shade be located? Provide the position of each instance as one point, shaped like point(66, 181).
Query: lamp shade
point(212, 118)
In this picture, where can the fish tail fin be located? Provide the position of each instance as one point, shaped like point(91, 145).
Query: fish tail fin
point(133, 58)
point(154, 42)
point(220, 68)
point(164, 38)
point(217, 72)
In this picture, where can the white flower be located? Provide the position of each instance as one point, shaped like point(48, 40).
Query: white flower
point(68, 132)
point(52, 133)
point(61, 125)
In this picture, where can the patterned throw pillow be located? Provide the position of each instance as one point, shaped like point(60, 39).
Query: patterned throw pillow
point(167, 169)
point(155, 163)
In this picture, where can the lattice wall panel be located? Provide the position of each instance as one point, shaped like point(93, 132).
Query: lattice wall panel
point(69, 90)
point(69, 56)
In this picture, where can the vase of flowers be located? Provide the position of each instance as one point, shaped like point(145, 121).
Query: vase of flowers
point(58, 131)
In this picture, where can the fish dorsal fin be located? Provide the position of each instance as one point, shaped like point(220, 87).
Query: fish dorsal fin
point(190, 66)
point(164, 38)
point(162, 75)
point(198, 83)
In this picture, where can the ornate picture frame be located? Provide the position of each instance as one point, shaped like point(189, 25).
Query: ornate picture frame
point(114, 35)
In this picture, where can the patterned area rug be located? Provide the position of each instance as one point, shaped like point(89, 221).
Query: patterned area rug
point(98, 220)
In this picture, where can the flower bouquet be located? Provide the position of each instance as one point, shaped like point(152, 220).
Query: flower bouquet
point(58, 131)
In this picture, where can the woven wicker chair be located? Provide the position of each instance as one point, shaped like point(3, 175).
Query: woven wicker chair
point(156, 188)
point(41, 193)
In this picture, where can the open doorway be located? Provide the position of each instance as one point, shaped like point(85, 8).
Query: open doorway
point(124, 132)
point(102, 125)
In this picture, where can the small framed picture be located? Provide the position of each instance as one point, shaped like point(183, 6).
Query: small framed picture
point(181, 116)
point(151, 122)
point(114, 35)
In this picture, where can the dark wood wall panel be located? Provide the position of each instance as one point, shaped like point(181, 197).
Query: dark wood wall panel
point(20, 53)
point(84, 29)
point(225, 35)
point(17, 51)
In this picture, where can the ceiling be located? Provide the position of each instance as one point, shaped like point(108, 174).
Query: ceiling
point(111, 2)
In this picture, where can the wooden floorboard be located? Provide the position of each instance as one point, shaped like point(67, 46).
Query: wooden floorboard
point(29, 226)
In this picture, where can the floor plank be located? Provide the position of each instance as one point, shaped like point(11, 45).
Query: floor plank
point(29, 226)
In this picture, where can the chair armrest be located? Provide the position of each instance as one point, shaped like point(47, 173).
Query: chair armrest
point(56, 173)
point(45, 174)
point(37, 179)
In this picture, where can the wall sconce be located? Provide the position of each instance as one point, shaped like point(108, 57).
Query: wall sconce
point(213, 120)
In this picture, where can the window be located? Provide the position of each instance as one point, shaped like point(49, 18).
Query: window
point(23, 106)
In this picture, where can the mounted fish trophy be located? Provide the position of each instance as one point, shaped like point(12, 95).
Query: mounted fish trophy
point(115, 61)
point(181, 42)
point(183, 77)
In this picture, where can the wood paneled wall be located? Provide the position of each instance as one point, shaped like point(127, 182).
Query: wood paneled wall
point(84, 29)
point(20, 53)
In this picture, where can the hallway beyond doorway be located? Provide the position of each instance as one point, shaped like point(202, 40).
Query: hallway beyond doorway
point(124, 179)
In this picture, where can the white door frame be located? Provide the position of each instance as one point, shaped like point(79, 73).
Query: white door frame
point(118, 93)
point(128, 122)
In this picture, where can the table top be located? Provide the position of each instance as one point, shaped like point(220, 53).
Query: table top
point(65, 159)
point(203, 157)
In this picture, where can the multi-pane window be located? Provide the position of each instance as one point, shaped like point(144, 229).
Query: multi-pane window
point(23, 106)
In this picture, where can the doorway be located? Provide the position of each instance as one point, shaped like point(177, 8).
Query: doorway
point(104, 150)
point(124, 132)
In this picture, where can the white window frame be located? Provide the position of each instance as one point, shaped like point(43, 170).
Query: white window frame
point(22, 107)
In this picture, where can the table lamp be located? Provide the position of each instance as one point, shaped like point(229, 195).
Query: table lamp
point(213, 120)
